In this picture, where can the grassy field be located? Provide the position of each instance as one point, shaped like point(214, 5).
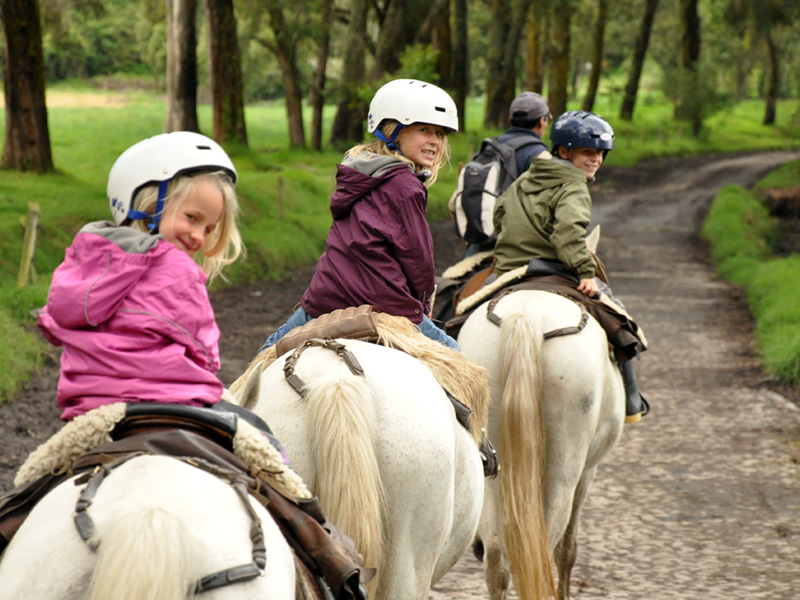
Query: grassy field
point(284, 193)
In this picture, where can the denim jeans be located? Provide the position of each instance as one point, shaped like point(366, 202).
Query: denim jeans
point(301, 317)
point(430, 329)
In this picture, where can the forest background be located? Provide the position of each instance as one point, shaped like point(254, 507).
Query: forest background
point(285, 86)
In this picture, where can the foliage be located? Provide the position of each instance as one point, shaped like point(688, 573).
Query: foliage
point(20, 353)
point(738, 228)
point(740, 232)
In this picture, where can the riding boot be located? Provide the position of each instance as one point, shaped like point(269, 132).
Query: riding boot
point(635, 405)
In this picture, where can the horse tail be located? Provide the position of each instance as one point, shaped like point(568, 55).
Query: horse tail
point(522, 458)
point(342, 444)
point(144, 554)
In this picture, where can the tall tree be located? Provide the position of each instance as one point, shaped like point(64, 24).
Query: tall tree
point(460, 72)
point(348, 123)
point(558, 91)
point(225, 65)
point(688, 105)
point(508, 21)
point(536, 54)
point(316, 94)
point(181, 66)
point(637, 62)
point(766, 18)
point(27, 136)
point(597, 54)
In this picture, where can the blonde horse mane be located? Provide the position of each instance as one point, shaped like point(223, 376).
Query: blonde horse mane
point(459, 376)
point(342, 422)
point(522, 437)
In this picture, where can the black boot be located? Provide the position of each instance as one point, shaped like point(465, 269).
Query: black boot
point(635, 405)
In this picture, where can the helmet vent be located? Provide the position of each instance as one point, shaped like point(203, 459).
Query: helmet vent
point(204, 147)
point(440, 108)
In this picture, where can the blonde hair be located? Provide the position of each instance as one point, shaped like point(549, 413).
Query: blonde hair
point(378, 146)
point(224, 244)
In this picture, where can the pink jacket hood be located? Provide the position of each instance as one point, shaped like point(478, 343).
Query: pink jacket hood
point(133, 316)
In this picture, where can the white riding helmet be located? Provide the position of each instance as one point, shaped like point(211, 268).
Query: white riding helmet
point(410, 101)
point(157, 160)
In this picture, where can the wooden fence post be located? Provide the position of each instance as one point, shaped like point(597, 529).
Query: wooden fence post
point(31, 226)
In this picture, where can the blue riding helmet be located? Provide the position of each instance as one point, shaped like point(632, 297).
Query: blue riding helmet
point(581, 129)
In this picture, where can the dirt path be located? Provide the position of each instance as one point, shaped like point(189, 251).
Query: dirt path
point(701, 499)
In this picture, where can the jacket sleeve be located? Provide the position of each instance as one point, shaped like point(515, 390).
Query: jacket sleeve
point(410, 235)
point(572, 215)
point(86, 292)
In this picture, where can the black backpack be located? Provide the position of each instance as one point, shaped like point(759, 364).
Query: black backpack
point(487, 175)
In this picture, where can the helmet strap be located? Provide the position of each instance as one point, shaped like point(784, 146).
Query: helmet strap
point(390, 143)
point(155, 219)
point(152, 226)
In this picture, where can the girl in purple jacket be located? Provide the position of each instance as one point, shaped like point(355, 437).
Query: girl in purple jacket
point(379, 247)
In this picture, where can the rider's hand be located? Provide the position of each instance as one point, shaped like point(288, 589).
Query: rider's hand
point(588, 287)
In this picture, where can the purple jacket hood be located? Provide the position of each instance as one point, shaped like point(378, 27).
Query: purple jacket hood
point(379, 248)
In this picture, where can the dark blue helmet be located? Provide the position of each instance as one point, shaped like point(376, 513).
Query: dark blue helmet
point(581, 129)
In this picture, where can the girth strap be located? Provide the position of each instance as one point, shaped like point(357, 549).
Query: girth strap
point(85, 524)
point(298, 384)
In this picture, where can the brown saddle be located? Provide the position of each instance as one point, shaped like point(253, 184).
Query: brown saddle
point(204, 437)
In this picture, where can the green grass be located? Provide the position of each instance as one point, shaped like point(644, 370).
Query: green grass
point(741, 233)
point(284, 193)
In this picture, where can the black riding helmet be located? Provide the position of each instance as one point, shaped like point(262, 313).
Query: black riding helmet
point(581, 129)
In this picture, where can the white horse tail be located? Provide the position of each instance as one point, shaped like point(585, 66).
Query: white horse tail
point(522, 458)
point(144, 554)
point(342, 443)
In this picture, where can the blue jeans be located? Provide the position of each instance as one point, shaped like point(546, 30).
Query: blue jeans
point(429, 328)
point(298, 319)
point(301, 317)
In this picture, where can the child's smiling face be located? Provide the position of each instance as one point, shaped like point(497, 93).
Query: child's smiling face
point(587, 160)
point(187, 222)
point(422, 143)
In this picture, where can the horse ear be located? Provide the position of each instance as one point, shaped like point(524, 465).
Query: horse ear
point(593, 239)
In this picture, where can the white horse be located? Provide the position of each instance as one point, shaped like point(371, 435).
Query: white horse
point(383, 451)
point(557, 409)
point(160, 526)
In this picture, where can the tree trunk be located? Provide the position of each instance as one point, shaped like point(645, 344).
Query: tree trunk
point(774, 78)
point(460, 78)
point(597, 55)
point(443, 43)
point(688, 106)
point(317, 94)
point(637, 64)
point(508, 19)
point(181, 66)
point(225, 65)
point(559, 73)
point(348, 124)
point(286, 53)
point(27, 136)
point(535, 46)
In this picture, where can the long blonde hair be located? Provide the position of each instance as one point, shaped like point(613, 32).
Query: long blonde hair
point(224, 244)
point(378, 146)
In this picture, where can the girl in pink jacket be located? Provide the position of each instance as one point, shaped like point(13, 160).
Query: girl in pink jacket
point(129, 303)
